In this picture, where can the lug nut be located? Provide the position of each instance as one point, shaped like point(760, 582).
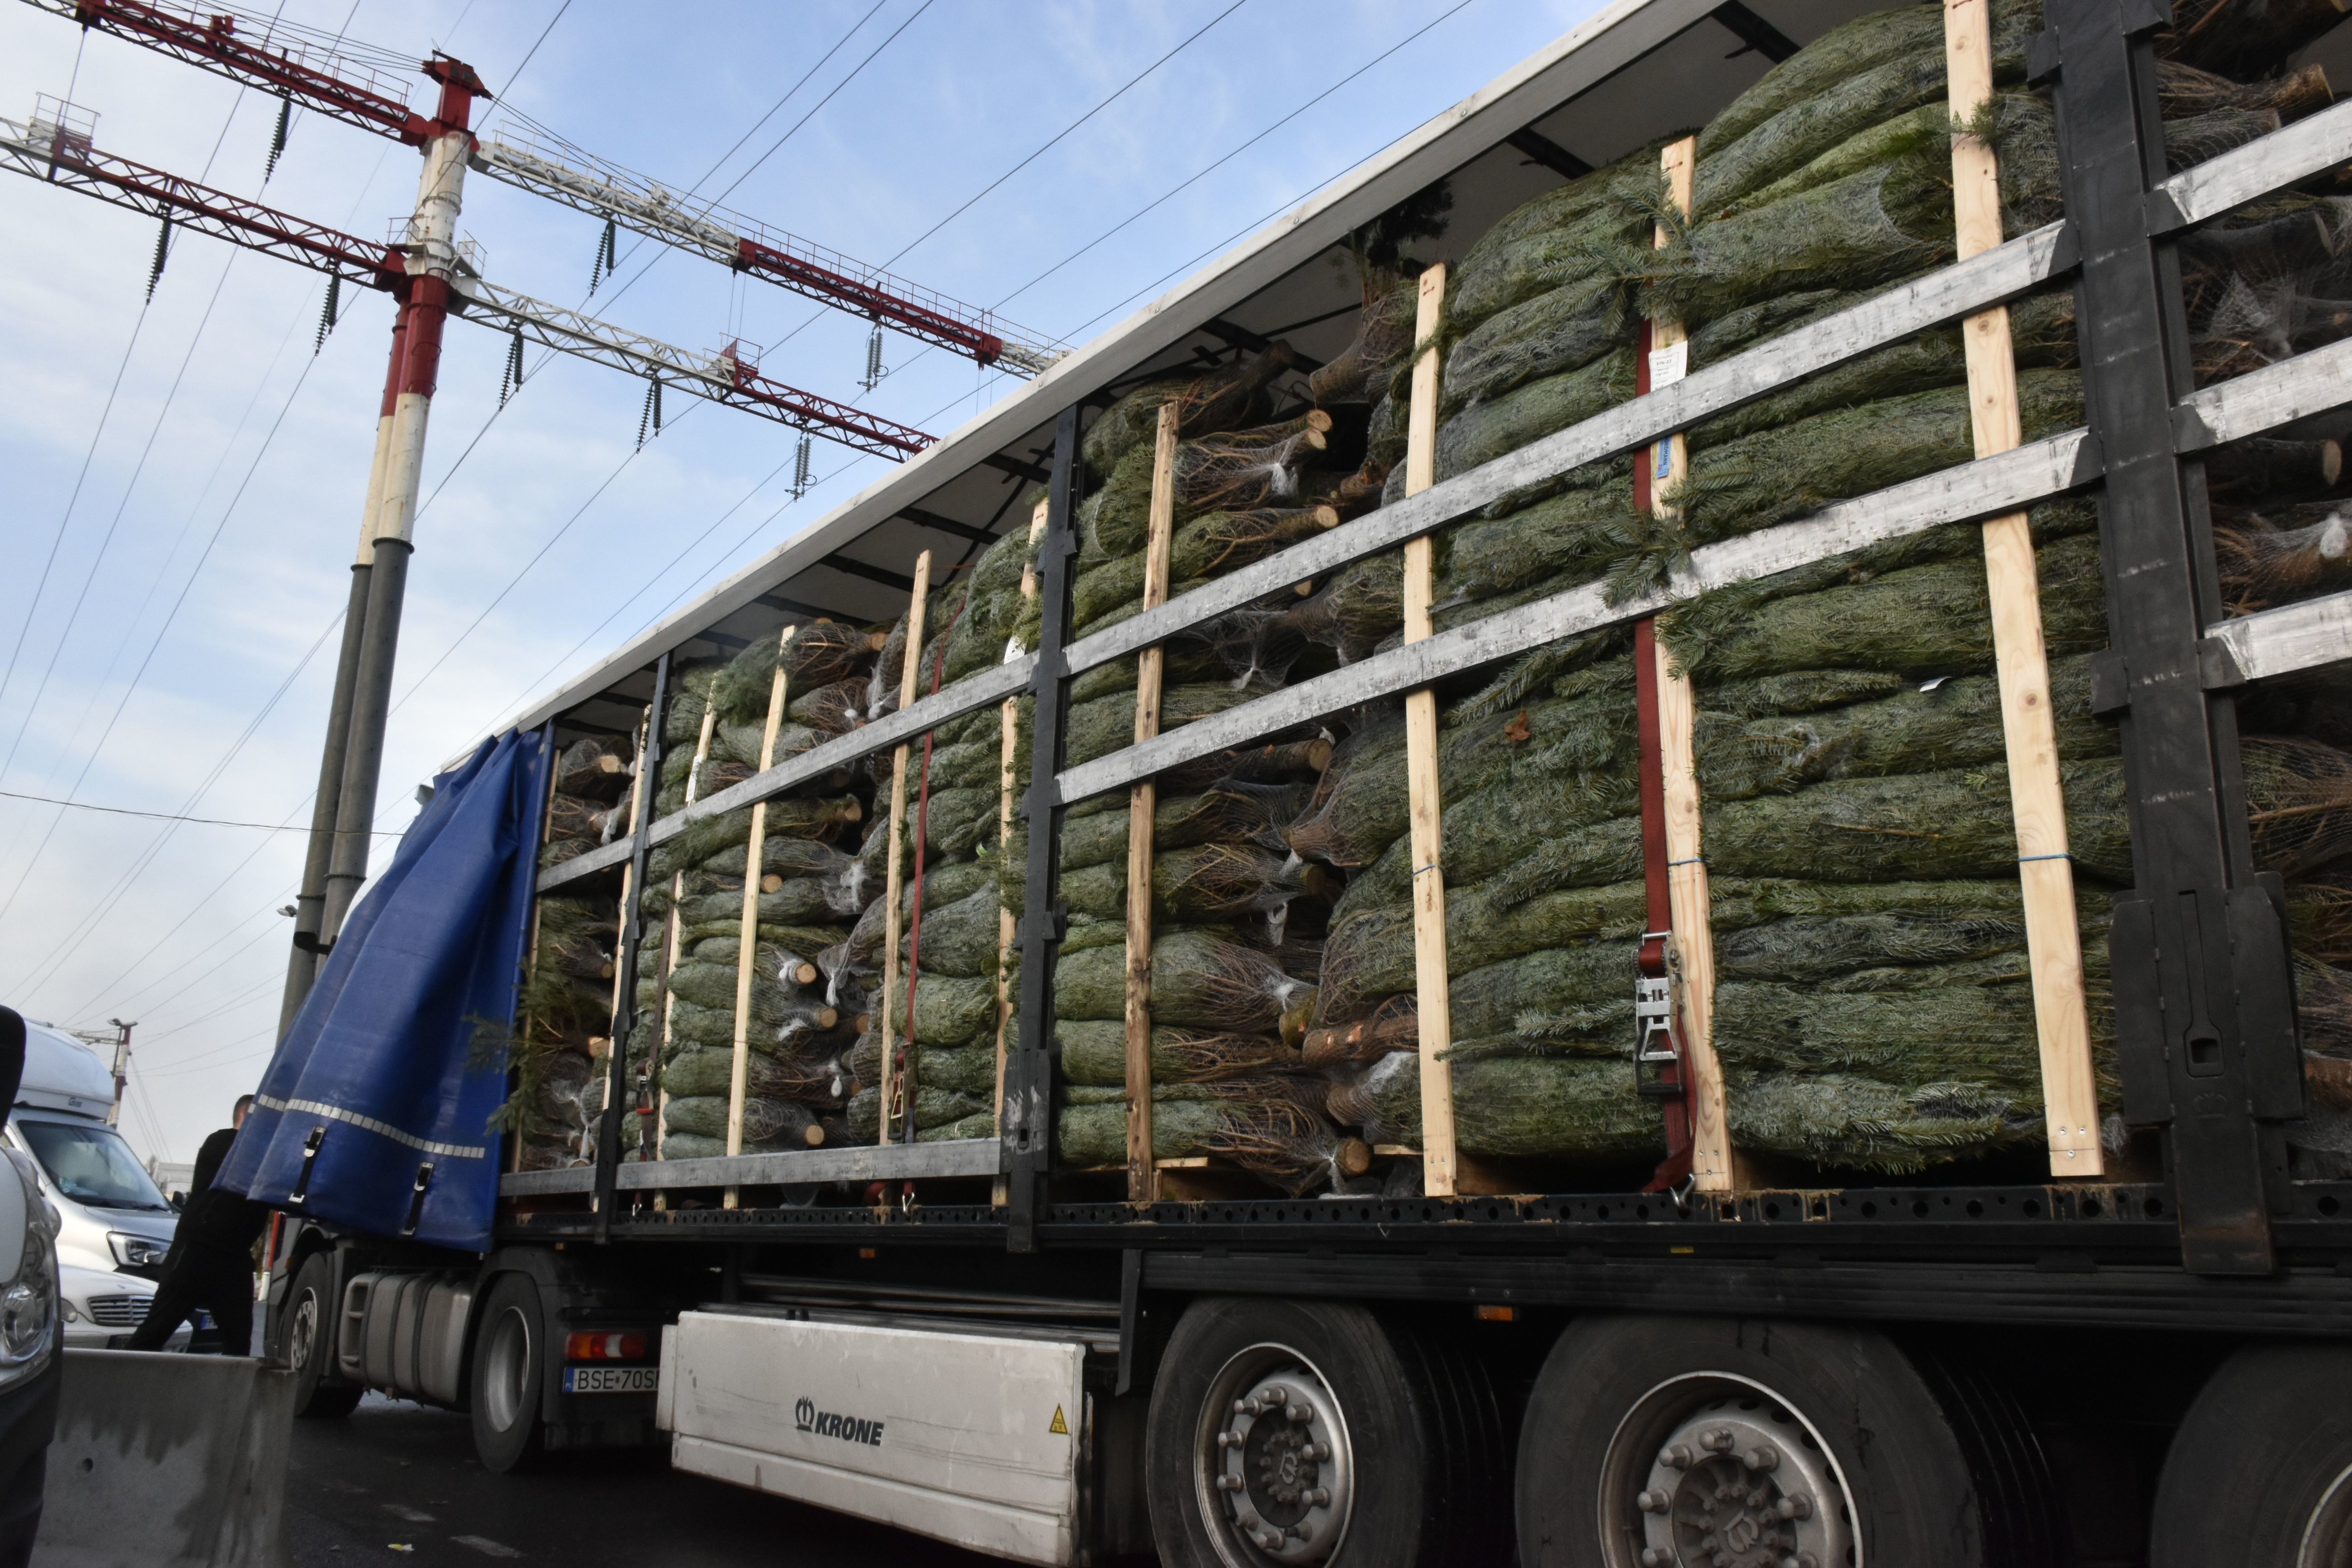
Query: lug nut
point(1678, 1457)
point(1270, 1541)
point(1228, 1439)
point(1651, 1502)
point(1657, 1557)
point(1274, 1395)
point(1316, 1497)
point(1796, 1505)
point(1229, 1483)
point(1302, 1412)
point(1319, 1452)
point(1247, 1407)
point(1764, 1457)
point(1718, 1441)
point(1304, 1531)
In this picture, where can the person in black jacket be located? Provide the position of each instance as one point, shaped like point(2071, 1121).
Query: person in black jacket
point(211, 1261)
point(28, 1410)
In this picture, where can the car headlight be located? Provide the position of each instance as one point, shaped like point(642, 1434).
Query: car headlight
point(137, 1251)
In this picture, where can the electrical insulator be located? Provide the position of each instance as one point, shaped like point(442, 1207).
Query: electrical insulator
point(801, 468)
point(277, 137)
point(327, 312)
point(873, 359)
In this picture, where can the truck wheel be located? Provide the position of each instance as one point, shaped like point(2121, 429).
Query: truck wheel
point(2260, 1471)
point(1660, 1442)
point(510, 1371)
point(311, 1322)
point(1304, 1432)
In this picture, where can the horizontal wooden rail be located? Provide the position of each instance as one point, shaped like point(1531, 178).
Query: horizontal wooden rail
point(2290, 638)
point(2319, 142)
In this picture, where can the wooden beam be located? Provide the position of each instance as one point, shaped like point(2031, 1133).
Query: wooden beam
point(1007, 926)
point(1142, 803)
point(2070, 1091)
point(530, 942)
point(893, 880)
point(670, 937)
point(2221, 184)
point(619, 1071)
point(1432, 985)
point(1687, 885)
point(2290, 638)
point(748, 948)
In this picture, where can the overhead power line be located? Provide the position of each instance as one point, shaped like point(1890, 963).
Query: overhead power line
point(168, 815)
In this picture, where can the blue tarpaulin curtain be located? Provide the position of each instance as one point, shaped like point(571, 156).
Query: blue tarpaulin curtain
point(397, 1060)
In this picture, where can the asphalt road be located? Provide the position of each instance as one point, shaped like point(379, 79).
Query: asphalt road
point(395, 1482)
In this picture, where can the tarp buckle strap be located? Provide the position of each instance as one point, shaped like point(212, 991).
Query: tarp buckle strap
point(309, 1158)
point(417, 1203)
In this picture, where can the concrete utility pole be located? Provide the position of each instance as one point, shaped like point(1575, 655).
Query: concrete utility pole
point(121, 1067)
point(343, 815)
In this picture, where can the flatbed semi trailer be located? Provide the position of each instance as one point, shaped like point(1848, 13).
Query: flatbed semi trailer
point(2119, 1332)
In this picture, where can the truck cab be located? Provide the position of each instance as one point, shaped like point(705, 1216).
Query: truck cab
point(115, 1225)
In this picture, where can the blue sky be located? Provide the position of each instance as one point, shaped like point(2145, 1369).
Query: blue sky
point(183, 480)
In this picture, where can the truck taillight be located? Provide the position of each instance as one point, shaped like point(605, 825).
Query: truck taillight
point(604, 1347)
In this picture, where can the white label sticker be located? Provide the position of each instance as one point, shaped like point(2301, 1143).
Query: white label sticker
point(1669, 364)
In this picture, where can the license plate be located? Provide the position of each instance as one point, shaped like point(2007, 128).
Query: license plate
point(610, 1379)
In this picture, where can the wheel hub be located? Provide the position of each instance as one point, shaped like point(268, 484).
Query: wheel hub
point(1736, 1485)
point(1278, 1466)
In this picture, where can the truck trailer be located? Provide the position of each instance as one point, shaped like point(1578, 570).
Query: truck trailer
point(1624, 847)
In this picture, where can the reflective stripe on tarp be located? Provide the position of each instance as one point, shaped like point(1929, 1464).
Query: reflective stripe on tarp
point(397, 1060)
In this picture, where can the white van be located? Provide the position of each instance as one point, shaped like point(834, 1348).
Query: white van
point(116, 1225)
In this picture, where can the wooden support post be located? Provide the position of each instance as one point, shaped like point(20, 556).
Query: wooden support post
point(2045, 871)
point(748, 950)
point(530, 943)
point(894, 880)
point(1142, 803)
point(1007, 927)
point(1687, 886)
point(670, 941)
point(619, 1073)
point(1433, 986)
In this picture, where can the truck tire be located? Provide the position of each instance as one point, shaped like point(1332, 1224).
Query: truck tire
point(1825, 1444)
point(1395, 1463)
point(2260, 1473)
point(510, 1374)
point(311, 1316)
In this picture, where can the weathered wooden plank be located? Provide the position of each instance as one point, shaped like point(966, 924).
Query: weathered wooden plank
point(671, 938)
point(2267, 164)
point(2290, 638)
point(1143, 802)
point(747, 954)
point(2037, 803)
point(2264, 399)
point(894, 874)
point(1689, 898)
point(2031, 473)
point(1424, 795)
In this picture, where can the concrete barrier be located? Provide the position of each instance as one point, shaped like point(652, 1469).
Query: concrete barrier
point(168, 1460)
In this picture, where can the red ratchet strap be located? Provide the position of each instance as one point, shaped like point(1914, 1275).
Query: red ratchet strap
point(1660, 1068)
